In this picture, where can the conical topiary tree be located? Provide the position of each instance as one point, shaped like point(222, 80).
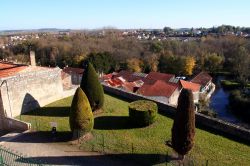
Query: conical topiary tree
point(91, 86)
point(81, 118)
point(183, 130)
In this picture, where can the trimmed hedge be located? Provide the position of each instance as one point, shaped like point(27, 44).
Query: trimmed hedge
point(81, 117)
point(142, 112)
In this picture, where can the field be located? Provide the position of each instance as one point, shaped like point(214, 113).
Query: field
point(113, 134)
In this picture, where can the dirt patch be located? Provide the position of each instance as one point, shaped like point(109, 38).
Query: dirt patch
point(82, 139)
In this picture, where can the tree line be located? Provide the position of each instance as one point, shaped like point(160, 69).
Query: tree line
point(113, 52)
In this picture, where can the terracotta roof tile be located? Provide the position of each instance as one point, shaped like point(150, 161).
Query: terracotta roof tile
point(128, 76)
point(202, 78)
point(159, 88)
point(191, 86)
point(8, 69)
point(159, 76)
point(73, 70)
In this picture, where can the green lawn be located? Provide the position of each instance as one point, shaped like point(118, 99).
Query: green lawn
point(112, 130)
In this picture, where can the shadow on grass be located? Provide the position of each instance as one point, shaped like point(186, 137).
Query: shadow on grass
point(170, 113)
point(102, 160)
point(50, 112)
point(43, 137)
point(223, 134)
point(113, 123)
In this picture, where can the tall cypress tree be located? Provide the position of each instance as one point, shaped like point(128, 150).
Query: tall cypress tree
point(92, 87)
point(183, 130)
point(81, 117)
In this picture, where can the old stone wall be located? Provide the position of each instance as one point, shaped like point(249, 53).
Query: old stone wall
point(26, 91)
point(209, 122)
point(12, 124)
point(1, 114)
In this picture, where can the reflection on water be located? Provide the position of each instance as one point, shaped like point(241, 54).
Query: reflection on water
point(219, 103)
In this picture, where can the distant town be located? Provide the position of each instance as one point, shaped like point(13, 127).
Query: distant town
point(9, 38)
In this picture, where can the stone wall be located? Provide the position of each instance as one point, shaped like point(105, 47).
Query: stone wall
point(212, 123)
point(26, 91)
point(16, 125)
point(2, 115)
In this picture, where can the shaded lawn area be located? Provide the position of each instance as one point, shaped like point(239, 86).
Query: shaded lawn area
point(112, 129)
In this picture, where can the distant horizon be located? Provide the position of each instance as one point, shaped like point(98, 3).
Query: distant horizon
point(113, 27)
point(122, 14)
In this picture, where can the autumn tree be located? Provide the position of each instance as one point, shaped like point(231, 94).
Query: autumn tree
point(183, 130)
point(189, 65)
point(241, 64)
point(151, 63)
point(134, 64)
point(78, 60)
point(213, 62)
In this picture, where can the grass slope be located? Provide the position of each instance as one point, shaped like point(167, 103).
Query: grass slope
point(112, 129)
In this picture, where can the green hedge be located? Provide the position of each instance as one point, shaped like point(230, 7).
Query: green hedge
point(142, 112)
point(240, 104)
point(230, 84)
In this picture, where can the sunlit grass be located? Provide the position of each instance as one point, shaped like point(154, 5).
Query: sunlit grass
point(112, 132)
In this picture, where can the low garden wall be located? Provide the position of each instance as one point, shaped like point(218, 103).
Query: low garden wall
point(203, 120)
point(15, 125)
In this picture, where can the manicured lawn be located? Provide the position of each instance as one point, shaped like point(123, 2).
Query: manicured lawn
point(114, 132)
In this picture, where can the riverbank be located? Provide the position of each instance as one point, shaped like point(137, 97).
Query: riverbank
point(219, 102)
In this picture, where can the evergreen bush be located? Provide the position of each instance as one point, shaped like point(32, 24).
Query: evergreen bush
point(142, 112)
point(92, 87)
point(81, 117)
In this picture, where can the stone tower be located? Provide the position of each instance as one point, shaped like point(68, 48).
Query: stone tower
point(32, 58)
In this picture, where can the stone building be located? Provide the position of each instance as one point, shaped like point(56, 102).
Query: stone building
point(71, 77)
point(24, 88)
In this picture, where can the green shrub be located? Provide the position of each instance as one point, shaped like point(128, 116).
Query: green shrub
point(226, 84)
point(240, 104)
point(142, 112)
point(183, 130)
point(93, 89)
point(81, 116)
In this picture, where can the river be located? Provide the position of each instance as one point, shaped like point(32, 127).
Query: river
point(219, 103)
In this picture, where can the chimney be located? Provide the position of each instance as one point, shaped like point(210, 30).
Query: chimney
point(32, 58)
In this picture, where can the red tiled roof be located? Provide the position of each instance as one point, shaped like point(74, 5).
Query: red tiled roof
point(159, 88)
point(202, 78)
point(129, 86)
point(128, 76)
point(73, 70)
point(117, 81)
point(191, 86)
point(8, 69)
point(107, 76)
point(159, 76)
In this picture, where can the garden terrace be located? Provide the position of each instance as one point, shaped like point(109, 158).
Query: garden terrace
point(113, 135)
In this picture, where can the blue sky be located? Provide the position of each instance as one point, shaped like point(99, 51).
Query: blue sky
point(82, 14)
